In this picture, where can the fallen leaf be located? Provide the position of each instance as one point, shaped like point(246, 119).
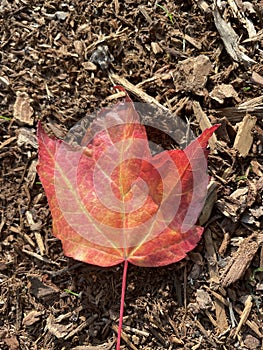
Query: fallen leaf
point(112, 201)
point(96, 191)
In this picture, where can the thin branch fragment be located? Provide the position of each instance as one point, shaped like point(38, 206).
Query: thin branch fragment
point(230, 39)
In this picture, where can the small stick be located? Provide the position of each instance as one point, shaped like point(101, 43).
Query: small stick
point(136, 331)
point(39, 257)
point(136, 91)
point(245, 314)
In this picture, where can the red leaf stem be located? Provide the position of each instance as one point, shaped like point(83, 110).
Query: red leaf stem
point(123, 289)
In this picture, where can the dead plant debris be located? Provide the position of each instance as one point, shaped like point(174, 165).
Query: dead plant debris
point(200, 60)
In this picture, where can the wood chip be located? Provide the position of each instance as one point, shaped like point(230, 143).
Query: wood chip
point(239, 263)
point(238, 12)
point(257, 37)
point(26, 136)
point(203, 299)
point(89, 66)
point(257, 78)
point(191, 75)
point(41, 290)
point(196, 43)
point(245, 314)
point(136, 331)
point(211, 258)
point(104, 346)
point(32, 317)
point(223, 91)
point(221, 318)
point(251, 342)
point(33, 225)
point(224, 244)
point(244, 138)
point(119, 94)
point(32, 173)
point(203, 5)
point(257, 168)
point(12, 343)
point(156, 48)
point(251, 324)
point(145, 13)
point(211, 199)
point(56, 329)
point(2, 221)
point(230, 39)
point(204, 122)
point(23, 112)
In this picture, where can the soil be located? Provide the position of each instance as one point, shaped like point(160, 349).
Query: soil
point(59, 63)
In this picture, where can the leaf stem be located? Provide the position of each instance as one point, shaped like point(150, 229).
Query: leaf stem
point(123, 289)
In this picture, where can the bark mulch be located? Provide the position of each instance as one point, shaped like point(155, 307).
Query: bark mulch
point(202, 60)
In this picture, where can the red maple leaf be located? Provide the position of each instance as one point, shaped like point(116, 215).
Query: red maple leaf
point(112, 201)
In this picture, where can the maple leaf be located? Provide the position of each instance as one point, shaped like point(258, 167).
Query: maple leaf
point(112, 201)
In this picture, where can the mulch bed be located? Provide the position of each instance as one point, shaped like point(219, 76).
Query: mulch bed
point(59, 62)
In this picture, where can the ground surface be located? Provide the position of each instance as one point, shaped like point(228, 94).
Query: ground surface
point(213, 298)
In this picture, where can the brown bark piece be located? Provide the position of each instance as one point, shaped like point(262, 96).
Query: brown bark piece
point(257, 78)
point(23, 112)
point(156, 48)
point(211, 257)
point(191, 75)
point(244, 139)
point(56, 329)
point(211, 198)
point(240, 261)
point(230, 39)
point(39, 289)
point(12, 343)
point(27, 137)
point(245, 314)
point(32, 173)
point(204, 122)
point(214, 279)
point(32, 317)
point(223, 91)
point(251, 342)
